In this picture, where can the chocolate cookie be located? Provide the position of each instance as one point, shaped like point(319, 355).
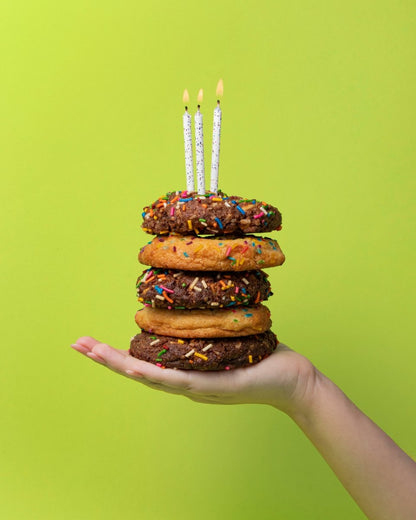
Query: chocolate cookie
point(192, 253)
point(203, 354)
point(171, 289)
point(205, 323)
point(210, 214)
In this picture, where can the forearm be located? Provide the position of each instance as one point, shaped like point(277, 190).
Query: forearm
point(375, 471)
point(380, 477)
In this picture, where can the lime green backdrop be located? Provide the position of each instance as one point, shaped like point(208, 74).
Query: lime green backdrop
point(319, 119)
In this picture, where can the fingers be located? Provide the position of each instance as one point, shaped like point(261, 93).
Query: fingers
point(85, 345)
point(80, 348)
point(121, 362)
point(204, 387)
point(86, 342)
point(209, 387)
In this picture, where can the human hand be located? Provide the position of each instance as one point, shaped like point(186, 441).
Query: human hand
point(284, 380)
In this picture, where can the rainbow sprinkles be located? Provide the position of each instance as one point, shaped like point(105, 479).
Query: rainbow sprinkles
point(202, 293)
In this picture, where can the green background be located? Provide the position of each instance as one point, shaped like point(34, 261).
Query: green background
point(318, 119)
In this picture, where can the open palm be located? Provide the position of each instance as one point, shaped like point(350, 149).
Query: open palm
point(280, 380)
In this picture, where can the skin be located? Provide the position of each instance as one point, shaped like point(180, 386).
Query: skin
point(379, 476)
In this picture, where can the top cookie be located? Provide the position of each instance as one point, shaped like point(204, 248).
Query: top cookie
point(210, 214)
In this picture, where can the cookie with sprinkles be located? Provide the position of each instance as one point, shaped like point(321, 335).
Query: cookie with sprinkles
point(209, 214)
point(172, 289)
point(205, 323)
point(203, 354)
point(192, 253)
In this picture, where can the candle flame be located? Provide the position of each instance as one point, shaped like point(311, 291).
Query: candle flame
point(200, 95)
point(220, 88)
point(185, 97)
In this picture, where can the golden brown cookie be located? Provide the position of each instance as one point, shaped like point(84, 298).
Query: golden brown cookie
point(205, 323)
point(212, 253)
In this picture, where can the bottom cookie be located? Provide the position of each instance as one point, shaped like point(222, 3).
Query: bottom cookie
point(202, 353)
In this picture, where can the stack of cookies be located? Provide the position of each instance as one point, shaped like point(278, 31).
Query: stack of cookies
point(203, 290)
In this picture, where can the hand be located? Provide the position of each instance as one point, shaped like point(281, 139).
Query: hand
point(284, 380)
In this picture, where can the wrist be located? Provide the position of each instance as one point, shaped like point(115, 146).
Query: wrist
point(319, 397)
point(296, 394)
point(307, 397)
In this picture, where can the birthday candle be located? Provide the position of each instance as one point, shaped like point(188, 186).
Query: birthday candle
point(216, 136)
point(187, 138)
point(199, 147)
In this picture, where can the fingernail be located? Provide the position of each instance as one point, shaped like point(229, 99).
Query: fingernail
point(80, 348)
point(133, 373)
point(95, 357)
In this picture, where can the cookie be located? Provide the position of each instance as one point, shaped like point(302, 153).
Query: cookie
point(212, 253)
point(171, 289)
point(205, 323)
point(203, 354)
point(210, 214)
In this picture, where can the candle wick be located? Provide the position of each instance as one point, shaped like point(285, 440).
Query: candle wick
point(186, 109)
point(218, 101)
point(199, 106)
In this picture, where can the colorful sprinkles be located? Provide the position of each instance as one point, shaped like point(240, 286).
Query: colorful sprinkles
point(172, 289)
point(240, 212)
point(218, 221)
point(201, 356)
point(199, 214)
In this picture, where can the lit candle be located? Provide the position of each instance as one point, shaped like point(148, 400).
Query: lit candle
point(187, 139)
point(216, 136)
point(199, 147)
